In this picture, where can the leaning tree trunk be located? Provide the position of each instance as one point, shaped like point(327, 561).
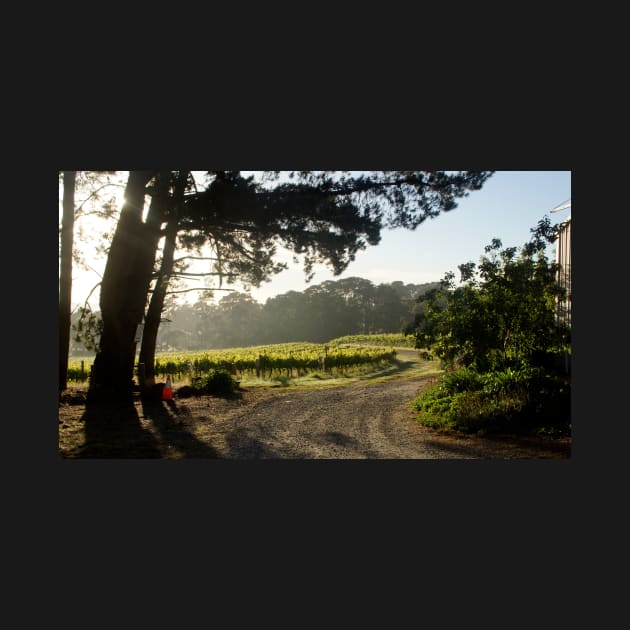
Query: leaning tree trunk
point(126, 283)
point(156, 305)
point(65, 275)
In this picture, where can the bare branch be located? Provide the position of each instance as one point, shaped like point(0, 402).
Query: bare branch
point(194, 258)
point(93, 194)
point(94, 271)
point(95, 213)
point(85, 304)
point(196, 289)
point(185, 274)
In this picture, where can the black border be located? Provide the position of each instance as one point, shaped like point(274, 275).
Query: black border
point(453, 495)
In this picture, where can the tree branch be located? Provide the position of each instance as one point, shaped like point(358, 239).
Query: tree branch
point(195, 289)
point(194, 258)
point(93, 194)
point(90, 294)
point(184, 274)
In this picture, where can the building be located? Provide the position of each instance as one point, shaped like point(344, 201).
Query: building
point(563, 258)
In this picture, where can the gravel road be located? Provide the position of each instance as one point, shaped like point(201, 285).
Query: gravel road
point(361, 421)
point(358, 421)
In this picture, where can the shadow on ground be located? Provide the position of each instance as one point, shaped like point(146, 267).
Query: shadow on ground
point(165, 416)
point(113, 430)
point(502, 447)
point(348, 442)
point(255, 444)
point(397, 366)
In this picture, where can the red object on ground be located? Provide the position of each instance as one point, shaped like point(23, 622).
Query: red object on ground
point(167, 391)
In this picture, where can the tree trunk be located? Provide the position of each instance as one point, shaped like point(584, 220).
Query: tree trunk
point(126, 283)
point(156, 305)
point(65, 275)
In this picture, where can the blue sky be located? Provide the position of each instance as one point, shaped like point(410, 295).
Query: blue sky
point(507, 207)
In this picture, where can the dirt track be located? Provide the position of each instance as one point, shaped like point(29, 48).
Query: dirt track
point(359, 421)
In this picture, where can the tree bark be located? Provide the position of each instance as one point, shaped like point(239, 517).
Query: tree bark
point(156, 305)
point(126, 283)
point(65, 275)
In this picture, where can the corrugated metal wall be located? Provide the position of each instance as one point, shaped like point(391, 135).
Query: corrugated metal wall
point(563, 258)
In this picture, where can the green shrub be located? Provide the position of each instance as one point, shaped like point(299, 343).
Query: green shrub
point(481, 412)
point(462, 380)
point(527, 400)
point(549, 402)
point(219, 382)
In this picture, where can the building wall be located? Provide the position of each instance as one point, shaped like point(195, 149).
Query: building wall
point(563, 258)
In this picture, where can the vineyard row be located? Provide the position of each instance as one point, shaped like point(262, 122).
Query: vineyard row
point(289, 359)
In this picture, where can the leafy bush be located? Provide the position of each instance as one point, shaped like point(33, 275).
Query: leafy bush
point(481, 412)
point(501, 314)
point(434, 405)
point(218, 382)
point(513, 401)
point(465, 379)
point(549, 401)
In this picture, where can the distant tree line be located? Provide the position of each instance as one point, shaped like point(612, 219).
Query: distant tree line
point(322, 312)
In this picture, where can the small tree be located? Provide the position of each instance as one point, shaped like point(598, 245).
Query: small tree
point(503, 312)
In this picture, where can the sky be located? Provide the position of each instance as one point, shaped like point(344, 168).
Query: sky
point(508, 206)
